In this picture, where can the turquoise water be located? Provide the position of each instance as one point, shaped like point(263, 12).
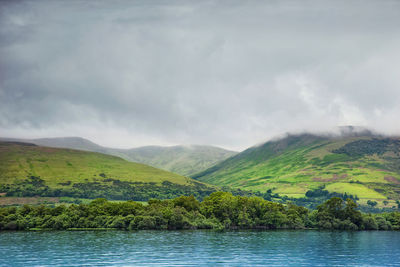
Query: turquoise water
point(199, 248)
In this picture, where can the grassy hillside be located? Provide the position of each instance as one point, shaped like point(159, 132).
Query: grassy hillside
point(367, 166)
point(184, 160)
point(27, 169)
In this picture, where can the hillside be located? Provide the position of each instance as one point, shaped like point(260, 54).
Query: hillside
point(183, 160)
point(365, 165)
point(29, 170)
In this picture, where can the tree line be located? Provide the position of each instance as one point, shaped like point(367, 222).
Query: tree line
point(220, 210)
point(115, 189)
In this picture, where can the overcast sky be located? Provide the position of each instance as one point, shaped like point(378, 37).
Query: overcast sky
point(226, 73)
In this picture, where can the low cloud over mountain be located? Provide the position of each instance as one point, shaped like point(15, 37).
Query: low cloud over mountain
point(226, 73)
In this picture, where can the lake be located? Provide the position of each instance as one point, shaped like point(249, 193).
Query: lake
point(199, 248)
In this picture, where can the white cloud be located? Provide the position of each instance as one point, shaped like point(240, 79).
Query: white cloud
point(211, 72)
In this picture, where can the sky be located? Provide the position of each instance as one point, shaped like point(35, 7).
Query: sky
point(225, 73)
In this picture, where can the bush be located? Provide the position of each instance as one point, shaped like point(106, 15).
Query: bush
point(221, 210)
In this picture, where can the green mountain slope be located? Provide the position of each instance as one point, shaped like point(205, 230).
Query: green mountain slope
point(184, 160)
point(27, 170)
point(364, 165)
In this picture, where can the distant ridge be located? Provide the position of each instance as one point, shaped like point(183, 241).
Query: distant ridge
point(184, 160)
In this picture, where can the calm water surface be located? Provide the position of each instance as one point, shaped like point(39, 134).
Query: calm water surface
point(199, 248)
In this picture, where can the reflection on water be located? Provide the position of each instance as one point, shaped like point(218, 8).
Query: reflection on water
point(194, 248)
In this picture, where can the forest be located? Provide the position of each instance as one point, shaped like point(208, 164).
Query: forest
point(220, 210)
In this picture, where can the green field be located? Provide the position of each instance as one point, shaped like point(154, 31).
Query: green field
point(366, 166)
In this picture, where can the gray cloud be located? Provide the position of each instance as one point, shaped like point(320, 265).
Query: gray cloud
point(228, 73)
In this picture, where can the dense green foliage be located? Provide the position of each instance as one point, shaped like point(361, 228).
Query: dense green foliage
point(114, 189)
point(106, 188)
point(220, 210)
point(314, 197)
point(364, 166)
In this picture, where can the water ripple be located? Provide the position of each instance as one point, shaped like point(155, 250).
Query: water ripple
point(200, 248)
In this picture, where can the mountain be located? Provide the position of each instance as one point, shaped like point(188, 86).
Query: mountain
point(184, 160)
point(362, 164)
point(77, 143)
point(29, 170)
